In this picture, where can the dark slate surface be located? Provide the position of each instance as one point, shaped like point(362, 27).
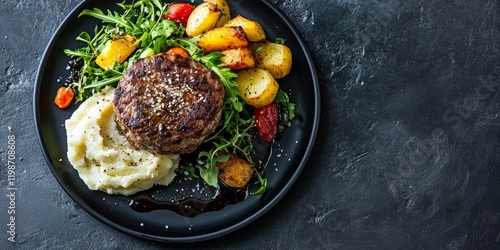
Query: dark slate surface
point(407, 156)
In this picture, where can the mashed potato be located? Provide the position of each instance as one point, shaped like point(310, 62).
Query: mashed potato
point(103, 157)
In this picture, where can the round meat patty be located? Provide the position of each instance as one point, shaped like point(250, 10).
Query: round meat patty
point(168, 104)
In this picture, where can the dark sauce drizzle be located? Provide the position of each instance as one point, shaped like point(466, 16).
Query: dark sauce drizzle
point(192, 206)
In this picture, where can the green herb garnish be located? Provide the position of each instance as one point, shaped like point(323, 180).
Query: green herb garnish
point(144, 20)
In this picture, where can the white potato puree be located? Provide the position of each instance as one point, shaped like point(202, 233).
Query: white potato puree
point(104, 158)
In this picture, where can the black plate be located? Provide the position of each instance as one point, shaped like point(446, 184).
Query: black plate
point(289, 157)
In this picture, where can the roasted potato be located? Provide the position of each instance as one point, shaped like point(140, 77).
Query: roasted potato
point(116, 51)
point(224, 9)
point(204, 17)
point(239, 58)
point(235, 172)
point(223, 38)
point(253, 29)
point(277, 58)
point(257, 87)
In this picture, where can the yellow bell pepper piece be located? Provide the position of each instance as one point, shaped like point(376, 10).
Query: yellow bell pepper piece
point(116, 51)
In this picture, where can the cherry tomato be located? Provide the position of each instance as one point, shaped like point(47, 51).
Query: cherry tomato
point(266, 119)
point(64, 97)
point(178, 51)
point(179, 12)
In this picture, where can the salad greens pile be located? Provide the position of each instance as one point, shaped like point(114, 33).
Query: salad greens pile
point(145, 20)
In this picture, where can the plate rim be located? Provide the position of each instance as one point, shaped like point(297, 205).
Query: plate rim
point(192, 238)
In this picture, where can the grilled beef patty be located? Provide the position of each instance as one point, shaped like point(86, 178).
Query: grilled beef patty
point(168, 104)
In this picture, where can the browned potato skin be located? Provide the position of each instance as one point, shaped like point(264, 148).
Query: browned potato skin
point(253, 29)
point(224, 9)
point(235, 172)
point(223, 38)
point(239, 58)
point(204, 17)
point(274, 57)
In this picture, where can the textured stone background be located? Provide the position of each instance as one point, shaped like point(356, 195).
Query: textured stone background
point(407, 156)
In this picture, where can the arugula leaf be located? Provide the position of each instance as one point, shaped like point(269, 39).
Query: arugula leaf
point(144, 19)
point(238, 141)
point(226, 76)
point(153, 31)
point(189, 170)
point(210, 172)
point(109, 17)
point(283, 99)
point(280, 40)
point(263, 185)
